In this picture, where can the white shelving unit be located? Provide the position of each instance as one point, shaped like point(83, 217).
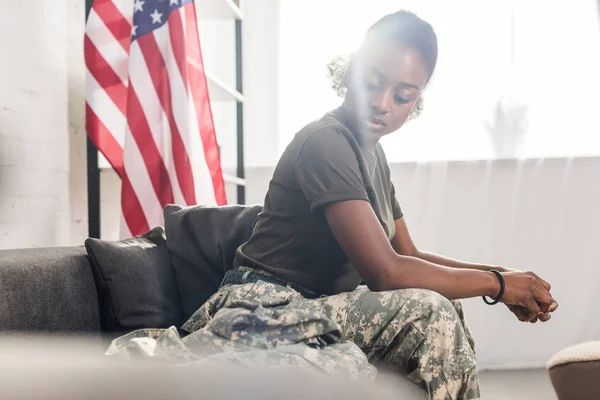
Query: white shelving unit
point(219, 9)
point(219, 91)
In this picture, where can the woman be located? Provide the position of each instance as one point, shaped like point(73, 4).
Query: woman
point(331, 221)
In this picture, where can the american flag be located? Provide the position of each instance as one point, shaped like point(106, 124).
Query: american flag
point(148, 109)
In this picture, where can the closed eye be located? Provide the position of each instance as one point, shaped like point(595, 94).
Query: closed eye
point(400, 100)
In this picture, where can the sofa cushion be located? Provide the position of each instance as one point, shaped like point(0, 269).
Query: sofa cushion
point(202, 241)
point(135, 282)
point(47, 290)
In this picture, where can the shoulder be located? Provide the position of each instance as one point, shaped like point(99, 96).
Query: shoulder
point(325, 136)
point(325, 129)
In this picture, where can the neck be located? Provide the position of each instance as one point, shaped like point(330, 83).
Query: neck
point(367, 142)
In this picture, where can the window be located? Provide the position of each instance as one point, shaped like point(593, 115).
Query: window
point(514, 78)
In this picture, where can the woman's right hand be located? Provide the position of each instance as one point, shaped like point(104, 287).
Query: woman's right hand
point(530, 293)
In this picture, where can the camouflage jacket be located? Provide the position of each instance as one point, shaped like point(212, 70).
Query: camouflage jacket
point(256, 325)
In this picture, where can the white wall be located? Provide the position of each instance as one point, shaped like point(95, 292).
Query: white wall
point(42, 144)
point(260, 80)
point(539, 215)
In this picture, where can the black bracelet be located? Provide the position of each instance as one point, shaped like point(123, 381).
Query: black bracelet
point(499, 298)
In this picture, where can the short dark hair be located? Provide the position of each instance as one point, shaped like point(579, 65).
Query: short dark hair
point(403, 26)
point(412, 31)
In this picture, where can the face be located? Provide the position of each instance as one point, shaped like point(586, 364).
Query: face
point(385, 81)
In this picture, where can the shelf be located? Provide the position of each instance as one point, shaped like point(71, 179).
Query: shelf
point(219, 91)
point(218, 9)
point(234, 179)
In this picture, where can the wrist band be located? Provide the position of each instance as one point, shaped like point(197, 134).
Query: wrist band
point(499, 298)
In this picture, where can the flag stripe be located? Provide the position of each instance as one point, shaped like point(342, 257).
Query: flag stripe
point(102, 139)
point(156, 118)
point(107, 46)
point(176, 32)
point(106, 110)
point(203, 196)
point(141, 182)
point(105, 76)
point(131, 208)
point(114, 21)
point(138, 125)
point(181, 12)
point(160, 80)
point(200, 98)
point(183, 117)
point(125, 8)
point(181, 113)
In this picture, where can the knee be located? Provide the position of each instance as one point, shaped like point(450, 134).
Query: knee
point(440, 320)
point(437, 317)
point(445, 340)
point(433, 307)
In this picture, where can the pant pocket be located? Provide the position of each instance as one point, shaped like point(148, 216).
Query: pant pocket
point(395, 346)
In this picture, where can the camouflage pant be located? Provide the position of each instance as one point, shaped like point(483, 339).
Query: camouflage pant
point(419, 332)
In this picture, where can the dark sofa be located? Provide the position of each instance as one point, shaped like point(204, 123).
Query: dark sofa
point(53, 292)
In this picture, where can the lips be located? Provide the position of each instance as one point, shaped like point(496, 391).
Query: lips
point(376, 121)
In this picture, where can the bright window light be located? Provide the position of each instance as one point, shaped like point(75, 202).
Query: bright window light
point(515, 79)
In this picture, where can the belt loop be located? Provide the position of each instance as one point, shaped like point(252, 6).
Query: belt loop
point(245, 276)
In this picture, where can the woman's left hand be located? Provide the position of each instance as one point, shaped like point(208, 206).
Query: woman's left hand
point(523, 313)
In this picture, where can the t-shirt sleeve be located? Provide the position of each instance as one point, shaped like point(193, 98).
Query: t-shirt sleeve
point(327, 170)
point(396, 209)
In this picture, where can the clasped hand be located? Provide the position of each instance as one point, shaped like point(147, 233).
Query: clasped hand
point(527, 296)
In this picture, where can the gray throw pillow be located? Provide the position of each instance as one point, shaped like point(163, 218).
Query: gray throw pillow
point(135, 282)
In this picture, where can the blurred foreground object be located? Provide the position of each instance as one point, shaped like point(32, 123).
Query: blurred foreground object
point(575, 372)
point(55, 367)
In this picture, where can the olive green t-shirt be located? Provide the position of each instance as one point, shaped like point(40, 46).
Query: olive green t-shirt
point(323, 164)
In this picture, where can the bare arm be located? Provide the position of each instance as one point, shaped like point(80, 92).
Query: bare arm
point(360, 234)
point(403, 245)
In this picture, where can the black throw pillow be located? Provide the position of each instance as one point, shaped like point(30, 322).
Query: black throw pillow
point(135, 281)
point(203, 241)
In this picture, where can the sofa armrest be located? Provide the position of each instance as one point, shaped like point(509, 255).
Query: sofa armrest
point(47, 290)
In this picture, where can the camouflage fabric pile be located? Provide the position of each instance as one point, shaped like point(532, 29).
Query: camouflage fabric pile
point(259, 325)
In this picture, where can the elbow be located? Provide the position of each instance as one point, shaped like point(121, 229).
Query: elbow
point(383, 285)
point(414, 252)
point(391, 276)
point(375, 286)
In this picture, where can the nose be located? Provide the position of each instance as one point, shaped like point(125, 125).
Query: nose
point(379, 103)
